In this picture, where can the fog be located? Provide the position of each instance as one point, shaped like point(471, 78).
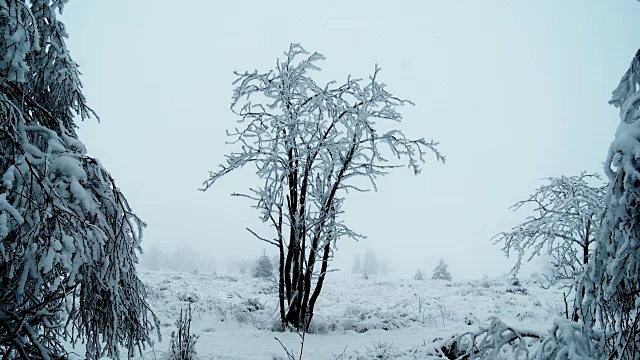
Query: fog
point(513, 91)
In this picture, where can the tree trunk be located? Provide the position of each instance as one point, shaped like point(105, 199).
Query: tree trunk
point(585, 261)
point(316, 292)
point(281, 281)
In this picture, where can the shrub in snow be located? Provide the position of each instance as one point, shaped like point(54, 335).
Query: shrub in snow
point(183, 342)
point(441, 272)
point(517, 290)
point(418, 275)
point(485, 281)
point(310, 144)
point(382, 350)
point(68, 237)
point(566, 340)
point(188, 296)
point(252, 305)
point(362, 320)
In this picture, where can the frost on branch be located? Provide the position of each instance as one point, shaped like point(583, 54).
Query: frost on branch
point(310, 145)
point(68, 238)
point(611, 284)
point(608, 293)
point(565, 224)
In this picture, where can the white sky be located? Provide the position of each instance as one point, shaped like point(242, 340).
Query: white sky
point(514, 90)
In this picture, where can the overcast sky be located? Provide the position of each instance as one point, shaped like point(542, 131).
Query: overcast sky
point(514, 91)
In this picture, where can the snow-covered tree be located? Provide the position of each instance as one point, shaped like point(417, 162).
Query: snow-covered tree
point(263, 267)
point(357, 265)
point(370, 263)
point(441, 271)
point(310, 144)
point(564, 226)
point(68, 237)
point(418, 275)
point(611, 283)
point(609, 286)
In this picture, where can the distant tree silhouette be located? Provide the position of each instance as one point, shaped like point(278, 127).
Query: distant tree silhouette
point(441, 272)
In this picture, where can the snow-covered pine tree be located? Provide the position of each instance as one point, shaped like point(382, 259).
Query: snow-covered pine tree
point(611, 283)
point(263, 268)
point(418, 275)
point(68, 238)
point(441, 272)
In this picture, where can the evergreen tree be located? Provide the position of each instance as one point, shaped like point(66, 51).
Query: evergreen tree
point(418, 275)
point(263, 268)
point(68, 237)
point(610, 287)
point(441, 272)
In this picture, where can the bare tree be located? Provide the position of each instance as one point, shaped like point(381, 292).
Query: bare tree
point(68, 237)
point(564, 226)
point(310, 145)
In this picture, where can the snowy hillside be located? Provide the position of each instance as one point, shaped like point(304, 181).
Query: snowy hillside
point(356, 318)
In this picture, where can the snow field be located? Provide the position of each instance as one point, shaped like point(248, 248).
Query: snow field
point(356, 318)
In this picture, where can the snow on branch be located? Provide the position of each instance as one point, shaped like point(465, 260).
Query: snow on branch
point(564, 225)
point(610, 287)
point(68, 237)
point(310, 145)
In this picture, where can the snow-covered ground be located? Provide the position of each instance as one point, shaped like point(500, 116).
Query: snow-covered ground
point(355, 318)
